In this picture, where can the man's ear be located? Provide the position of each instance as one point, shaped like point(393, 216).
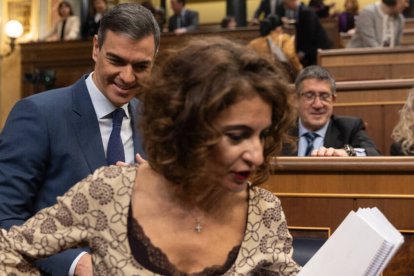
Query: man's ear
point(95, 48)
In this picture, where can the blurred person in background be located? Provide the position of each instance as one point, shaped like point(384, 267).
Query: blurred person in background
point(379, 25)
point(90, 27)
point(321, 9)
point(68, 25)
point(183, 20)
point(310, 35)
point(346, 19)
point(265, 8)
point(278, 45)
point(229, 22)
point(403, 132)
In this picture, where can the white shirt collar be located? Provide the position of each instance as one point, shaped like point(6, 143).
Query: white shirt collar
point(103, 107)
point(321, 132)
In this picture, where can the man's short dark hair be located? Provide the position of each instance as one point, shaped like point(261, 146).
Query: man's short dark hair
point(315, 72)
point(270, 23)
point(131, 19)
point(390, 2)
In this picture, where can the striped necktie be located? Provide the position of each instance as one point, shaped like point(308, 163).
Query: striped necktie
point(310, 138)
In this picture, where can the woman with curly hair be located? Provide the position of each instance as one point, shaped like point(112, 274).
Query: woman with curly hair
point(213, 115)
point(403, 132)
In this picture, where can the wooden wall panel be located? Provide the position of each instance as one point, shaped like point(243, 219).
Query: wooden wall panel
point(70, 60)
point(300, 212)
point(368, 63)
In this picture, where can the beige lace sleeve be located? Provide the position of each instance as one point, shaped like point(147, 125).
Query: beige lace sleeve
point(66, 224)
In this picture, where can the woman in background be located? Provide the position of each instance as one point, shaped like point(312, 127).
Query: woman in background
point(68, 26)
point(213, 115)
point(403, 132)
point(346, 19)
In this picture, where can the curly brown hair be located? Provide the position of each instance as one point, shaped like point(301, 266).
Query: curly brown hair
point(187, 91)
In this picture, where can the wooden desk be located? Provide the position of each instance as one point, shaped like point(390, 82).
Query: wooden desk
point(368, 63)
point(318, 193)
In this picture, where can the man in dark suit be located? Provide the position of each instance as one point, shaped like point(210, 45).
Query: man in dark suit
point(266, 7)
point(183, 20)
point(310, 35)
point(319, 132)
point(56, 138)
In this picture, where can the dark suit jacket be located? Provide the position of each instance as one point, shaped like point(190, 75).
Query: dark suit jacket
point(50, 142)
point(90, 27)
point(264, 7)
point(396, 150)
point(190, 21)
point(342, 130)
point(310, 35)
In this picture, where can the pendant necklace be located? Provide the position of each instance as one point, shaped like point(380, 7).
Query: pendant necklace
point(198, 228)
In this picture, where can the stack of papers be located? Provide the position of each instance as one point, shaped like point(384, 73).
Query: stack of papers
point(363, 244)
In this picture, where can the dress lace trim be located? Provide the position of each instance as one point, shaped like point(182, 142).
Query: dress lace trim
point(155, 260)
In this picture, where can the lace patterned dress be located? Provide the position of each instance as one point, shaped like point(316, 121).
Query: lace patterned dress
point(96, 213)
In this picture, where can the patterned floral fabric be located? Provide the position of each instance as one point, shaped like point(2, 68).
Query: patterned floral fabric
point(95, 213)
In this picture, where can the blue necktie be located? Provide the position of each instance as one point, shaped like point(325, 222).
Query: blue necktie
point(310, 137)
point(115, 150)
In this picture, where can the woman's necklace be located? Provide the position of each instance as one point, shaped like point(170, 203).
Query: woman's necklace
point(198, 228)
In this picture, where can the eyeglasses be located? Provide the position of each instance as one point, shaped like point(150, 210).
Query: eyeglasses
point(310, 97)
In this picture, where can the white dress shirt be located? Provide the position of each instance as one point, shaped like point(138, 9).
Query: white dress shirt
point(103, 109)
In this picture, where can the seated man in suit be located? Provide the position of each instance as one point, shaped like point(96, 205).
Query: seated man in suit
point(183, 20)
point(380, 24)
point(319, 132)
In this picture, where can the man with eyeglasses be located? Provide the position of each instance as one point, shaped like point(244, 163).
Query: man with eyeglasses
point(319, 132)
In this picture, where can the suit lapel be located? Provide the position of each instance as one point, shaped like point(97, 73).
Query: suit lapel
point(133, 111)
point(287, 148)
point(332, 136)
point(86, 126)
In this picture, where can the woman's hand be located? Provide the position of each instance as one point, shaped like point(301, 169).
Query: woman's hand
point(138, 159)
